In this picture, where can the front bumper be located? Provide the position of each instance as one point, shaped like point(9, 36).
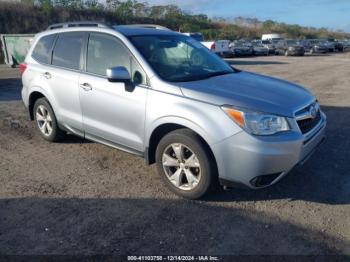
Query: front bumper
point(244, 158)
point(320, 50)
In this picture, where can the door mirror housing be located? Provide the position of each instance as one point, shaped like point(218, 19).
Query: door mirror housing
point(118, 74)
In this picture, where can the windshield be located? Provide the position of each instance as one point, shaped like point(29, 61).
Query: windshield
point(177, 58)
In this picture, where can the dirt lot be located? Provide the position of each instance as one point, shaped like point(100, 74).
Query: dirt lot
point(79, 197)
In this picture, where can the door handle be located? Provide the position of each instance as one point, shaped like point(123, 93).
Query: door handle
point(47, 75)
point(86, 86)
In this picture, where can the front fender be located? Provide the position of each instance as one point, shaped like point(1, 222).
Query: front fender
point(207, 120)
point(178, 121)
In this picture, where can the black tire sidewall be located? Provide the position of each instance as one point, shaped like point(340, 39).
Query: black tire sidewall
point(55, 134)
point(192, 141)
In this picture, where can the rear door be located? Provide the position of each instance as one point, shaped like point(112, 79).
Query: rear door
point(64, 78)
point(112, 114)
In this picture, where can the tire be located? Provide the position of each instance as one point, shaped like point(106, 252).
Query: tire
point(203, 172)
point(44, 115)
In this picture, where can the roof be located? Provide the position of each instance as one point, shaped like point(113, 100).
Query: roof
point(135, 31)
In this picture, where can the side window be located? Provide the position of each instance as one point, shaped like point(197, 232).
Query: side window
point(68, 49)
point(105, 51)
point(42, 50)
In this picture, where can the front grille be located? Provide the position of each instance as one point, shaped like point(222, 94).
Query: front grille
point(306, 125)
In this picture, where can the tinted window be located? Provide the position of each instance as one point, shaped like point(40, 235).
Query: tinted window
point(106, 51)
point(42, 50)
point(68, 49)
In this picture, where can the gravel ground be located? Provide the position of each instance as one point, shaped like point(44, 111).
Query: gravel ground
point(80, 197)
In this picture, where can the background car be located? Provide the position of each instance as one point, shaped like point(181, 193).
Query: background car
point(270, 46)
point(260, 49)
point(289, 47)
point(329, 45)
point(345, 43)
point(338, 46)
point(314, 46)
point(239, 48)
point(219, 47)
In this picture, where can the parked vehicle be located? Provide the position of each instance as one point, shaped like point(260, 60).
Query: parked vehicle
point(241, 49)
point(338, 46)
point(162, 95)
point(314, 46)
point(269, 45)
point(290, 47)
point(219, 47)
point(260, 49)
point(330, 46)
point(346, 44)
point(271, 37)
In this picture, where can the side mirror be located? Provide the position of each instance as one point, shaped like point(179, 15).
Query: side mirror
point(118, 74)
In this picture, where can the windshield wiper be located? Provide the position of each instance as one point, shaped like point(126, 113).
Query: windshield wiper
point(207, 76)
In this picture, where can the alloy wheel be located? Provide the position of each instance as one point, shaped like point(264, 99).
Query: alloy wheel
point(44, 120)
point(181, 166)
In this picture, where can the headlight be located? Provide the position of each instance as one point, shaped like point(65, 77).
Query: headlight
point(257, 123)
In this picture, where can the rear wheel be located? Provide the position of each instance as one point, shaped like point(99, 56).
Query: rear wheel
point(46, 121)
point(184, 164)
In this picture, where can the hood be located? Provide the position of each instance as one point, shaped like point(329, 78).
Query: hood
point(249, 90)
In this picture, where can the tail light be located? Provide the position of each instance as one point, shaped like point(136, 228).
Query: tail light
point(213, 47)
point(22, 68)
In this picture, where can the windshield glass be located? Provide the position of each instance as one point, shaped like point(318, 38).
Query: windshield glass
point(177, 58)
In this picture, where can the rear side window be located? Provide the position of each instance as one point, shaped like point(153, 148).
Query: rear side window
point(42, 50)
point(67, 50)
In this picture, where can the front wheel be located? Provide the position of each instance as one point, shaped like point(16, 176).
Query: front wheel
point(184, 164)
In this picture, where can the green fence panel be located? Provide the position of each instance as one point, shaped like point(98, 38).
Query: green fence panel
point(15, 47)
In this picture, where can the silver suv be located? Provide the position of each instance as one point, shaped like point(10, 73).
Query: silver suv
point(164, 96)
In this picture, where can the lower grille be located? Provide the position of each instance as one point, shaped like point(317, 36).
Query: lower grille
point(265, 180)
point(306, 125)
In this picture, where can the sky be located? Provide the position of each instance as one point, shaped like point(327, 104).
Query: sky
point(332, 14)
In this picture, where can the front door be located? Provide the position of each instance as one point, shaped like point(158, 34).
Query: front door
point(112, 113)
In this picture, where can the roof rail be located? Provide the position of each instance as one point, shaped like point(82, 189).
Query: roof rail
point(152, 26)
point(78, 24)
